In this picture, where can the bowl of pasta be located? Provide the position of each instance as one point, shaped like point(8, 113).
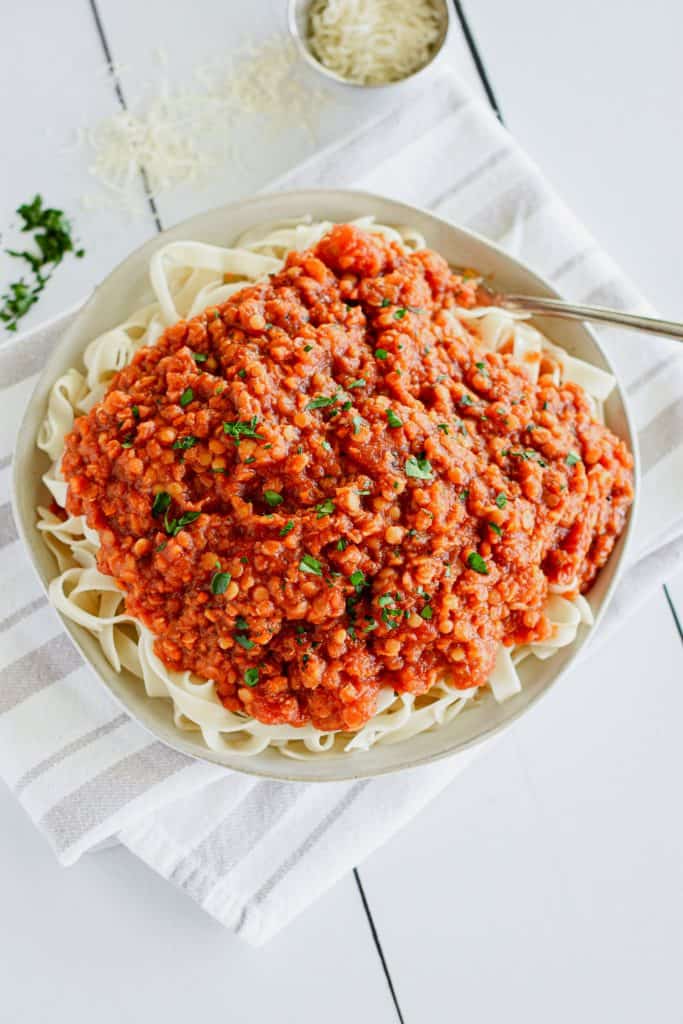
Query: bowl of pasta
point(309, 503)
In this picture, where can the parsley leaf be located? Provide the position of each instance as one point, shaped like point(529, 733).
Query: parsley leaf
point(321, 402)
point(325, 508)
point(238, 429)
point(501, 500)
point(476, 562)
point(381, 353)
point(419, 468)
point(393, 420)
point(273, 498)
point(287, 528)
point(251, 677)
point(186, 397)
point(310, 564)
point(572, 459)
point(219, 582)
point(161, 502)
point(183, 443)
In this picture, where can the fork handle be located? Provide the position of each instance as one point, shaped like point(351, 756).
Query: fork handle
point(599, 314)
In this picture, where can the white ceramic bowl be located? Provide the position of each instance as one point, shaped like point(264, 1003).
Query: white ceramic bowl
point(127, 289)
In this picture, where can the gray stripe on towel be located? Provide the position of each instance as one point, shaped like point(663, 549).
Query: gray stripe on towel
point(228, 844)
point(661, 435)
point(492, 160)
point(39, 668)
point(520, 202)
point(71, 748)
point(22, 613)
point(8, 528)
point(311, 840)
point(107, 793)
point(19, 361)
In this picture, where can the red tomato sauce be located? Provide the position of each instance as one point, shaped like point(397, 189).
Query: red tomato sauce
point(321, 488)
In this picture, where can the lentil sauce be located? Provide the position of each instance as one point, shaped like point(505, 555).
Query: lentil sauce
point(326, 485)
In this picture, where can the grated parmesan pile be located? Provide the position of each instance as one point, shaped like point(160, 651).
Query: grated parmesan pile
point(182, 136)
point(373, 42)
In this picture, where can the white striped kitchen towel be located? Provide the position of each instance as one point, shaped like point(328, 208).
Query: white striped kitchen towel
point(252, 853)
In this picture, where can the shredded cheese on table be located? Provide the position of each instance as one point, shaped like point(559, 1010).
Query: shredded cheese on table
point(185, 135)
point(372, 42)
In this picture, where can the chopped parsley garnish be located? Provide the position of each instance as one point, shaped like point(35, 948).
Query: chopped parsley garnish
point(244, 560)
point(239, 429)
point(287, 528)
point(52, 236)
point(464, 495)
point(310, 564)
point(360, 383)
point(426, 612)
point(241, 623)
point(346, 406)
point(321, 402)
point(273, 498)
point(325, 508)
point(136, 412)
point(476, 562)
point(326, 445)
point(174, 526)
point(242, 373)
point(357, 423)
point(342, 544)
point(161, 502)
point(183, 443)
point(466, 400)
point(244, 642)
point(384, 303)
point(381, 353)
point(400, 313)
point(186, 397)
point(384, 600)
point(545, 405)
point(160, 547)
point(572, 459)
point(369, 626)
point(199, 357)
point(128, 441)
point(496, 529)
point(443, 427)
point(483, 368)
point(247, 462)
point(251, 677)
point(219, 582)
point(393, 420)
point(307, 348)
point(420, 468)
point(357, 579)
point(501, 500)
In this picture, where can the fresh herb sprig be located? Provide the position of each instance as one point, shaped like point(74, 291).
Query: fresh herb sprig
point(53, 239)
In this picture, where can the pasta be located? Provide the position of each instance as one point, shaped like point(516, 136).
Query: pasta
point(186, 278)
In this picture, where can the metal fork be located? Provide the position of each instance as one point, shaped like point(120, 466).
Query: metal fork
point(599, 314)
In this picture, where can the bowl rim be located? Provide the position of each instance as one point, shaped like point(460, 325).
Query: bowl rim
point(322, 69)
point(344, 769)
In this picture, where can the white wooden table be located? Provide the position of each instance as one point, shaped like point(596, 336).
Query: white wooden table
point(547, 883)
